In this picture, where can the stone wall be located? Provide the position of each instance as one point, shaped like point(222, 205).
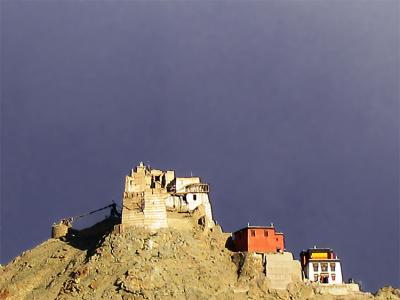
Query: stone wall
point(336, 289)
point(281, 269)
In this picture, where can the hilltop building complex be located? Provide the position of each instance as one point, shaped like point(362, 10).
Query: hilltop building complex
point(154, 198)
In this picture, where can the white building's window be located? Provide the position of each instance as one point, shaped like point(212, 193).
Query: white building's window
point(324, 279)
point(194, 197)
point(315, 266)
point(324, 267)
point(315, 277)
point(333, 276)
point(332, 265)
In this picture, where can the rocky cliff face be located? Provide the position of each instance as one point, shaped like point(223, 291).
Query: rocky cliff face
point(139, 264)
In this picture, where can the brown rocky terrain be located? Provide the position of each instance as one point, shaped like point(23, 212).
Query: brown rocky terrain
point(139, 264)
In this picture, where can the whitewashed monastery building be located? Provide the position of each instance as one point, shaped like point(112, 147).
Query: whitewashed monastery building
point(321, 265)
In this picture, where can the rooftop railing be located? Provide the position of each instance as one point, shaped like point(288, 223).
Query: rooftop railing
point(197, 188)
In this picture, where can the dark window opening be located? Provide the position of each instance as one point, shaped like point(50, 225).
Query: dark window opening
point(253, 232)
point(194, 197)
point(265, 233)
point(324, 279)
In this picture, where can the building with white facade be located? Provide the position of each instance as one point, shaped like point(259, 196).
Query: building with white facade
point(321, 265)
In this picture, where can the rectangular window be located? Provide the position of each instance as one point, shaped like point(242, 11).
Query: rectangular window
point(324, 279)
point(265, 233)
point(333, 277)
point(333, 266)
point(315, 277)
point(324, 267)
point(253, 232)
point(194, 197)
point(315, 266)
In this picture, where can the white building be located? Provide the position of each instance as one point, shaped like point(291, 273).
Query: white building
point(321, 265)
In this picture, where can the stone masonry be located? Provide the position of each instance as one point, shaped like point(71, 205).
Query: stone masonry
point(152, 198)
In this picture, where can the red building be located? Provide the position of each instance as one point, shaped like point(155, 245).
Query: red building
point(258, 239)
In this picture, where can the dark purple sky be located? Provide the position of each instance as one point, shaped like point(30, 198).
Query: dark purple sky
point(289, 109)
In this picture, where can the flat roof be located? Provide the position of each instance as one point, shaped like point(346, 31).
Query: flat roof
point(259, 227)
point(310, 250)
point(324, 259)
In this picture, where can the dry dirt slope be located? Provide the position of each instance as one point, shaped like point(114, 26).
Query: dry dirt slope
point(138, 264)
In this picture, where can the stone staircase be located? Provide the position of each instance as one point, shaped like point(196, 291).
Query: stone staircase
point(155, 211)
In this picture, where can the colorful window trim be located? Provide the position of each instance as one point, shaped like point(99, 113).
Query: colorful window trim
point(333, 266)
point(324, 267)
point(315, 266)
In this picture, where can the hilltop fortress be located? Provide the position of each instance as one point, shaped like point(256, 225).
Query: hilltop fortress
point(156, 199)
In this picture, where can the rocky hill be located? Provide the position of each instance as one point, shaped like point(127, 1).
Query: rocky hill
point(140, 264)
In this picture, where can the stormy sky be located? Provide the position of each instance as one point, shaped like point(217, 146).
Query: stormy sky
point(289, 109)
